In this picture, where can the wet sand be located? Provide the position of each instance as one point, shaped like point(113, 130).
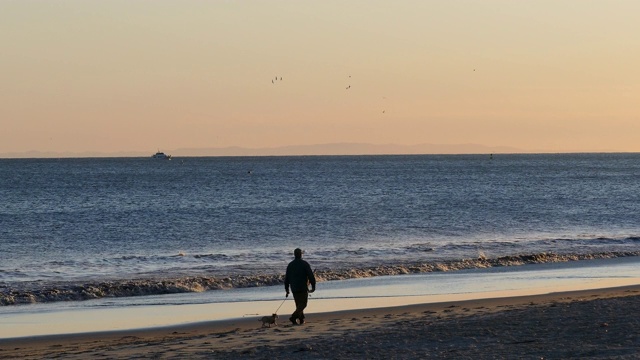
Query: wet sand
point(597, 324)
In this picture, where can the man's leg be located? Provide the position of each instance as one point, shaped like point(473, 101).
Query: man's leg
point(301, 299)
point(295, 315)
point(304, 298)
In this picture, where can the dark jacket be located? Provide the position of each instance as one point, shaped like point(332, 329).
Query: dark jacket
point(298, 275)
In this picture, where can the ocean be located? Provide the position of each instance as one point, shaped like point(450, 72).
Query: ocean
point(73, 230)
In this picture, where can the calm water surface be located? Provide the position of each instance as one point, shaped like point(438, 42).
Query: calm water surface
point(70, 226)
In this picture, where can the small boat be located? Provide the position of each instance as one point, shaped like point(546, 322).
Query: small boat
point(161, 155)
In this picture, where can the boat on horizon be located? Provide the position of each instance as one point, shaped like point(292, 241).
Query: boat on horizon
point(161, 155)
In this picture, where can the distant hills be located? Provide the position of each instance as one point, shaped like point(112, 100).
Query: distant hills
point(318, 149)
point(347, 149)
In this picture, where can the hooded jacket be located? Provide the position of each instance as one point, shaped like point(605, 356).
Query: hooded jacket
point(298, 275)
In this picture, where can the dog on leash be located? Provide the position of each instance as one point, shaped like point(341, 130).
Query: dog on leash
point(268, 320)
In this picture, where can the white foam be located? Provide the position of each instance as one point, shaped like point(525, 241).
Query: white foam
point(174, 309)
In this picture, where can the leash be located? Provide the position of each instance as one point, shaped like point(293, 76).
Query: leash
point(275, 312)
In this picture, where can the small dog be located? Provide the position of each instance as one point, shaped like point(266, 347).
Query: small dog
point(268, 320)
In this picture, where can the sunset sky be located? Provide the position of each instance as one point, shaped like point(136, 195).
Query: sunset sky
point(116, 75)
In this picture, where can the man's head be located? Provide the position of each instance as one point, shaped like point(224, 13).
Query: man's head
point(297, 253)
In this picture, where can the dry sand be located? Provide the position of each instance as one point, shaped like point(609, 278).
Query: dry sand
point(595, 324)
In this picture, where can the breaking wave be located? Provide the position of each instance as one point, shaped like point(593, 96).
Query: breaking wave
point(141, 287)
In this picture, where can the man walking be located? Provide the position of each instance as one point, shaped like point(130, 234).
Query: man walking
point(299, 276)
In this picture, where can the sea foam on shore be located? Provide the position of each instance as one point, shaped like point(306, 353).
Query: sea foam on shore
point(170, 309)
point(71, 291)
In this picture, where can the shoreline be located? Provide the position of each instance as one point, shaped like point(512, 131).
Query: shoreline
point(150, 286)
point(246, 338)
point(129, 314)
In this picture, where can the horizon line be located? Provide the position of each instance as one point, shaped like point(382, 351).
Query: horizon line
point(328, 149)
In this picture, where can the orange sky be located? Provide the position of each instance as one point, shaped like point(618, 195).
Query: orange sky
point(107, 76)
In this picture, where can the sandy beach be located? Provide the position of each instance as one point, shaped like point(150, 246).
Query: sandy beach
point(596, 324)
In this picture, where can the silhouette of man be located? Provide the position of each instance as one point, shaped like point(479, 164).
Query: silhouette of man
point(299, 276)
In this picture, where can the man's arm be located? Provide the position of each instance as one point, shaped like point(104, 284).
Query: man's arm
point(311, 277)
point(286, 282)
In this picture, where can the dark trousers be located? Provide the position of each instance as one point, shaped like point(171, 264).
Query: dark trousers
point(301, 298)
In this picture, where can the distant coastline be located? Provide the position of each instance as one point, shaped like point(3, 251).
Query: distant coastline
point(300, 150)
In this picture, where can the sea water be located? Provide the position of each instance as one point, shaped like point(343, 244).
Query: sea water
point(119, 230)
